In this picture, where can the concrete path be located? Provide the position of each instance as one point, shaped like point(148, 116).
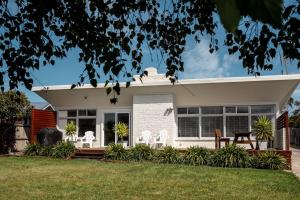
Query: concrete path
point(296, 162)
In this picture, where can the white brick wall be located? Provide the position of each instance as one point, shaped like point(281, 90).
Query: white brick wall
point(150, 112)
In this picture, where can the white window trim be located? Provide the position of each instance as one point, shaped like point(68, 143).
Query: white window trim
point(224, 115)
point(80, 117)
point(116, 112)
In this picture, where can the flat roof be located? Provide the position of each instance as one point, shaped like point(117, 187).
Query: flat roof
point(138, 83)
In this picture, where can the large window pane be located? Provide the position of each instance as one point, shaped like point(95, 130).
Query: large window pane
point(254, 118)
point(262, 109)
point(235, 124)
point(230, 109)
point(193, 110)
point(210, 124)
point(182, 111)
point(212, 110)
point(109, 133)
point(242, 109)
point(124, 118)
point(91, 112)
point(82, 112)
point(86, 125)
point(72, 113)
point(188, 126)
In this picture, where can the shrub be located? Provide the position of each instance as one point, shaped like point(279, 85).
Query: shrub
point(230, 156)
point(33, 150)
point(63, 150)
point(115, 152)
point(140, 152)
point(168, 155)
point(46, 151)
point(196, 156)
point(268, 160)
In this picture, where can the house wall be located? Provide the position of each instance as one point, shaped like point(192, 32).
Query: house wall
point(154, 113)
point(147, 104)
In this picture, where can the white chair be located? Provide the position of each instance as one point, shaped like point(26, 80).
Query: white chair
point(88, 138)
point(144, 138)
point(161, 138)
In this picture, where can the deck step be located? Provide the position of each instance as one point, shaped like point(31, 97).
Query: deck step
point(88, 154)
point(88, 157)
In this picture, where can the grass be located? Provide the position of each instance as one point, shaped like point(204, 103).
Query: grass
point(45, 178)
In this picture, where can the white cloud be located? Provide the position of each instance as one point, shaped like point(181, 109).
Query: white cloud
point(200, 63)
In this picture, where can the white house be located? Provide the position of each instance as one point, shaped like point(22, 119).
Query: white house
point(189, 110)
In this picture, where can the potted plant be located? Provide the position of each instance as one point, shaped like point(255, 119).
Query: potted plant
point(122, 131)
point(70, 131)
point(263, 131)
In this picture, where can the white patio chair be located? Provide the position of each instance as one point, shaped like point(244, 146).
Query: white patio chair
point(144, 138)
point(88, 138)
point(161, 138)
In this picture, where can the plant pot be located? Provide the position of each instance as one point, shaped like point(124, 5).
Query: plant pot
point(124, 144)
point(263, 145)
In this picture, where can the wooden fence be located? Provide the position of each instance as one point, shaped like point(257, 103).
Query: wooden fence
point(41, 119)
point(282, 134)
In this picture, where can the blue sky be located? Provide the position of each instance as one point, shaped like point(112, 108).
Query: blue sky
point(199, 63)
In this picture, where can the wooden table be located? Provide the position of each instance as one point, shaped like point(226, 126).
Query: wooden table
point(242, 141)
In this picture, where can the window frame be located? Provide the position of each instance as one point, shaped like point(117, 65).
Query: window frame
point(79, 117)
point(210, 115)
point(189, 115)
point(224, 115)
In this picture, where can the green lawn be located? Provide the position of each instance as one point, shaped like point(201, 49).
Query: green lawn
point(43, 178)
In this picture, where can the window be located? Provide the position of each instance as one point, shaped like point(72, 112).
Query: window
point(237, 119)
point(235, 124)
point(230, 109)
point(85, 120)
point(91, 112)
point(182, 110)
point(86, 125)
point(210, 124)
point(212, 110)
point(188, 126)
point(211, 119)
point(242, 109)
point(202, 121)
point(72, 113)
point(188, 122)
point(193, 110)
point(262, 110)
point(254, 118)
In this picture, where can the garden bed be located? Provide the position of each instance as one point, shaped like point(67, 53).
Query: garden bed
point(287, 154)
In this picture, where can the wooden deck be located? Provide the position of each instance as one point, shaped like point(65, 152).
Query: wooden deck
point(89, 153)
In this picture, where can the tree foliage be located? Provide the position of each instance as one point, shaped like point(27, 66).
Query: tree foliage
point(111, 35)
point(294, 119)
point(13, 106)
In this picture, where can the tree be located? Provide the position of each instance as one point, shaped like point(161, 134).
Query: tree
point(13, 107)
point(294, 119)
point(111, 35)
